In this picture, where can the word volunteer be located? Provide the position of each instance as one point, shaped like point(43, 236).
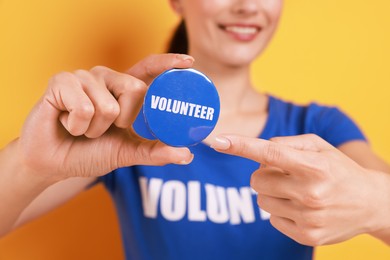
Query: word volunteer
point(182, 108)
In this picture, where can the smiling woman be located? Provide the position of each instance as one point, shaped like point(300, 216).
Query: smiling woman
point(212, 24)
point(304, 62)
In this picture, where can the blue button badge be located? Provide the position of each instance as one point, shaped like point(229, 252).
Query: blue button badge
point(181, 107)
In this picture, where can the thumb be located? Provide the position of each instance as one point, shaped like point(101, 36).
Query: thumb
point(150, 67)
point(153, 152)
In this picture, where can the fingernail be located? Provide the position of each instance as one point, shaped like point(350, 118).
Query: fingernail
point(185, 162)
point(220, 143)
point(185, 57)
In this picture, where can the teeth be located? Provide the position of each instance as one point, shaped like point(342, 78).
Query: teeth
point(242, 30)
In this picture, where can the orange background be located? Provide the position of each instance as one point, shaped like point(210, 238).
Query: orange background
point(334, 51)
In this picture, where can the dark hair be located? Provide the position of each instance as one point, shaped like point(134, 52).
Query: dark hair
point(179, 41)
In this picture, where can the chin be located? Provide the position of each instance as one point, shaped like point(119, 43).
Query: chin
point(240, 59)
point(243, 56)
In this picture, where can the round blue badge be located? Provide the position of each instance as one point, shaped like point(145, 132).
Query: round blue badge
point(181, 107)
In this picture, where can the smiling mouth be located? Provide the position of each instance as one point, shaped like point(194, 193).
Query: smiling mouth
point(242, 29)
point(241, 32)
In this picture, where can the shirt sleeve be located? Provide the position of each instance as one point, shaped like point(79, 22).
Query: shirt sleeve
point(333, 125)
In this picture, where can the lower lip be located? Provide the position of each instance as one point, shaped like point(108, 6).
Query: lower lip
point(241, 36)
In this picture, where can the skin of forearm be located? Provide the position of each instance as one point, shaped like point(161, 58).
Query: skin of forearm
point(18, 187)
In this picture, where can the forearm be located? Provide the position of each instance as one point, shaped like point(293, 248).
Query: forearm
point(18, 187)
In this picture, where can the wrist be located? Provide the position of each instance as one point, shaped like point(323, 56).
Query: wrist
point(18, 168)
point(380, 227)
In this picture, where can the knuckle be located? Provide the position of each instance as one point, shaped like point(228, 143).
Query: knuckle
point(84, 111)
point(135, 87)
point(240, 147)
point(148, 154)
point(310, 237)
point(313, 199)
point(148, 71)
point(80, 72)
point(272, 153)
point(63, 76)
point(147, 64)
point(109, 110)
point(99, 70)
point(161, 158)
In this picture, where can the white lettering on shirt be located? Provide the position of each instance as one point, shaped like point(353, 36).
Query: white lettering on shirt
point(216, 204)
point(240, 205)
point(174, 200)
point(195, 213)
point(150, 195)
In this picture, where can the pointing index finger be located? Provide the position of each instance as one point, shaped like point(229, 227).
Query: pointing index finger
point(262, 151)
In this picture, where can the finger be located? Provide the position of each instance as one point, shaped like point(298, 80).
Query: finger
point(275, 183)
point(285, 225)
point(150, 67)
point(277, 207)
point(267, 152)
point(305, 236)
point(106, 107)
point(74, 108)
point(307, 142)
point(128, 90)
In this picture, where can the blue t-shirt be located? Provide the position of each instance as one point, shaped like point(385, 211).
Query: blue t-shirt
point(207, 210)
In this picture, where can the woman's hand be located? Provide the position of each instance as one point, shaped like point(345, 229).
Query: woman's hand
point(315, 194)
point(82, 126)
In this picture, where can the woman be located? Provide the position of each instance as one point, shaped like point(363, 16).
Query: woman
point(200, 204)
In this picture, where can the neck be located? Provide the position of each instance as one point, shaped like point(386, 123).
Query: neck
point(233, 84)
